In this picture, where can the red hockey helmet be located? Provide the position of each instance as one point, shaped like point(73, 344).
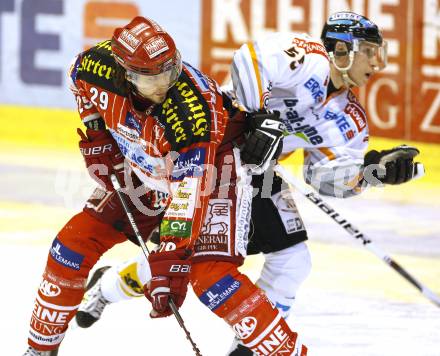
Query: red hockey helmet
point(147, 52)
point(144, 47)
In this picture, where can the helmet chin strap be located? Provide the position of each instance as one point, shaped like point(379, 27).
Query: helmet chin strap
point(348, 82)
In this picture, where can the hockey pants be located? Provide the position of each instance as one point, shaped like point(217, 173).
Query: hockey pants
point(74, 252)
point(234, 298)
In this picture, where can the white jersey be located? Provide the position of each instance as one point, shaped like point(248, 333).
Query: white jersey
point(290, 73)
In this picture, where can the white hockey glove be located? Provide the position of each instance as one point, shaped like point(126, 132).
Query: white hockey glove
point(264, 142)
point(394, 166)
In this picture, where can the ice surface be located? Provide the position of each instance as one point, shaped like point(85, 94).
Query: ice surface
point(352, 304)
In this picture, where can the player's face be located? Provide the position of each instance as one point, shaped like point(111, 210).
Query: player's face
point(152, 87)
point(369, 59)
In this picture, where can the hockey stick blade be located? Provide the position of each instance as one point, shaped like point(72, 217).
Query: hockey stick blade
point(352, 230)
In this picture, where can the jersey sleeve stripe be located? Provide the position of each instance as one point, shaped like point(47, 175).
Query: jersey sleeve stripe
point(257, 71)
point(329, 154)
point(91, 117)
point(238, 85)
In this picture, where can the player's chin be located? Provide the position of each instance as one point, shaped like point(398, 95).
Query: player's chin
point(361, 81)
point(158, 98)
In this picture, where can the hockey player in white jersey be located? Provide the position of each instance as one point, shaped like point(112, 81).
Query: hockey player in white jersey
point(305, 82)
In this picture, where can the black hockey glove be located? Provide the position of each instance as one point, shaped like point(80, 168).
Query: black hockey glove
point(396, 165)
point(264, 142)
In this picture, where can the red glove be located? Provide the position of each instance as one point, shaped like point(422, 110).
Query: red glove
point(170, 275)
point(100, 149)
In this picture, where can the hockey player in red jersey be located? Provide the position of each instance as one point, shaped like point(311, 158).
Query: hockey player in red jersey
point(159, 125)
point(308, 81)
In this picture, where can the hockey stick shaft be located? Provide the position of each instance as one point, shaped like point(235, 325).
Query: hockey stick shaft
point(146, 252)
point(356, 233)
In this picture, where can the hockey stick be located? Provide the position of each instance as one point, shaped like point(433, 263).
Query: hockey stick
point(146, 252)
point(352, 230)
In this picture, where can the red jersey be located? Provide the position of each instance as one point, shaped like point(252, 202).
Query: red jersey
point(190, 122)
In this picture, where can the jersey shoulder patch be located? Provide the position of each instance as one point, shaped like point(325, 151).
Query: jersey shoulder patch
point(185, 114)
point(301, 48)
point(98, 67)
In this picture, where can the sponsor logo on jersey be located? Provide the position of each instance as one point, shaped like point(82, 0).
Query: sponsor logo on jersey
point(245, 327)
point(62, 282)
point(48, 322)
point(357, 114)
point(198, 117)
point(105, 45)
point(243, 222)
point(127, 132)
point(132, 122)
point(310, 47)
point(312, 84)
point(175, 228)
point(277, 342)
point(349, 134)
point(50, 315)
point(246, 306)
point(215, 233)
point(65, 256)
point(44, 340)
point(95, 67)
point(217, 243)
point(265, 99)
point(294, 124)
point(343, 124)
point(185, 114)
point(183, 199)
point(220, 292)
point(189, 164)
point(156, 46)
point(288, 211)
point(176, 207)
point(49, 289)
point(135, 154)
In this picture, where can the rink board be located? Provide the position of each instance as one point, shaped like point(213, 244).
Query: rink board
point(41, 38)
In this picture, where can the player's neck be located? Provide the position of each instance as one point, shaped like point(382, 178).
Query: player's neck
point(141, 103)
point(336, 77)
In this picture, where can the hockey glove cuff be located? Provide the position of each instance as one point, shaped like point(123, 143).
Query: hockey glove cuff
point(264, 142)
point(102, 156)
point(394, 166)
point(170, 275)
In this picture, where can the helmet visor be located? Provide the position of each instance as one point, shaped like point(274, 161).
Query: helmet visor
point(149, 85)
point(377, 54)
